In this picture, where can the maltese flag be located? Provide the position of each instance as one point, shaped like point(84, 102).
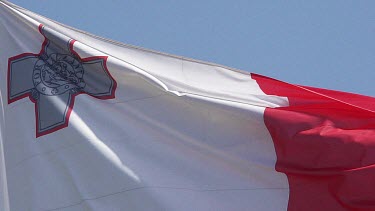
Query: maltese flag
point(88, 123)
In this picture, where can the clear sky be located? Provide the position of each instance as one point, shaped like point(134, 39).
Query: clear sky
point(321, 43)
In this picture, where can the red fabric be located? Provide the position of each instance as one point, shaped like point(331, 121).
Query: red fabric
point(325, 144)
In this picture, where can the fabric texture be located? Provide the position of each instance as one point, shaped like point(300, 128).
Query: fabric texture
point(91, 124)
point(87, 123)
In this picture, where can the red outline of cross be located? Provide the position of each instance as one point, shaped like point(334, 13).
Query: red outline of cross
point(70, 106)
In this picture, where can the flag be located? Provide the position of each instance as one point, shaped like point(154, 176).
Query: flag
point(87, 123)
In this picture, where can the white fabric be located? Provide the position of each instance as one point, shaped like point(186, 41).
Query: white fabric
point(180, 134)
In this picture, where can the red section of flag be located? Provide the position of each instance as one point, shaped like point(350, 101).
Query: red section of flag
point(325, 144)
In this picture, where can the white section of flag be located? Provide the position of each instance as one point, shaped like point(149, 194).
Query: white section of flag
point(180, 134)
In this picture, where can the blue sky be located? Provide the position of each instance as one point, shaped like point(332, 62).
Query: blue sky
point(328, 44)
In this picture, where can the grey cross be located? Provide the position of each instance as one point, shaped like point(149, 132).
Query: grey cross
point(52, 79)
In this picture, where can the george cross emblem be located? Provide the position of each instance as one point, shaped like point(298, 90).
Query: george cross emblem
point(54, 77)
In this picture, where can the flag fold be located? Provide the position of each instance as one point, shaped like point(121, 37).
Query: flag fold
point(87, 123)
